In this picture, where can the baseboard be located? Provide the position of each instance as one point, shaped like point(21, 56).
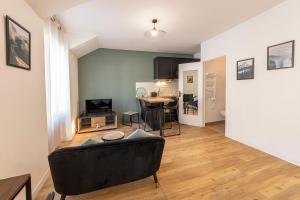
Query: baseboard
point(209, 123)
point(41, 183)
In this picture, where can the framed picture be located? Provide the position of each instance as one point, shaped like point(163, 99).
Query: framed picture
point(281, 56)
point(189, 79)
point(245, 69)
point(18, 45)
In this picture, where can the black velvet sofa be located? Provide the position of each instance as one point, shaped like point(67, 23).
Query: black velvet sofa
point(83, 169)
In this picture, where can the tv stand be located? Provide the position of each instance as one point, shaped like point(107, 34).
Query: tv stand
point(97, 122)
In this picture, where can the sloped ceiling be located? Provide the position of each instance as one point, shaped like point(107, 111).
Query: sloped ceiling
point(81, 46)
point(46, 8)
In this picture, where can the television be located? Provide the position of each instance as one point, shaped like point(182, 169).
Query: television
point(94, 106)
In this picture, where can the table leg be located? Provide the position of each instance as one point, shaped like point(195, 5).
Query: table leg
point(28, 190)
point(130, 118)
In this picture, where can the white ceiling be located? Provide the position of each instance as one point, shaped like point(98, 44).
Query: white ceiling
point(120, 24)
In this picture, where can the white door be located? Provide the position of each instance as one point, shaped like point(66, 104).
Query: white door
point(190, 84)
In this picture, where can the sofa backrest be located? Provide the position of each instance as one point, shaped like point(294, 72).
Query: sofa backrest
point(82, 169)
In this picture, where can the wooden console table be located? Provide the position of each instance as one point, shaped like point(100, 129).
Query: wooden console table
point(10, 187)
point(97, 122)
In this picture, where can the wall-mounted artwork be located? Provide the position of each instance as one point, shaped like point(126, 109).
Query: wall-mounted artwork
point(245, 69)
point(17, 45)
point(190, 79)
point(281, 56)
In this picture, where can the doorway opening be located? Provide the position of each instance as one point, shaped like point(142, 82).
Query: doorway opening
point(190, 85)
point(215, 94)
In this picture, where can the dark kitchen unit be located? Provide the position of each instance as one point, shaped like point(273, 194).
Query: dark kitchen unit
point(167, 67)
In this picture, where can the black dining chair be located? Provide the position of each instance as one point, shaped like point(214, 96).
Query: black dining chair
point(192, 105)
point(147, 111)
point(186, 99)
point(171, 110)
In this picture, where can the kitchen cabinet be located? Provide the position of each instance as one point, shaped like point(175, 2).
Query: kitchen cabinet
point(163, 67)
point(167, 67)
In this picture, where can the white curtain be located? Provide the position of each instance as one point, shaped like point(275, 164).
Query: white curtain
point(57, 85)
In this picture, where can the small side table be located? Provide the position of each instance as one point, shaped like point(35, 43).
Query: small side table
point(10, 187)
point(130, 114)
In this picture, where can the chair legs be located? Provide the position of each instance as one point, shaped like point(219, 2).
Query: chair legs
point(174, 120)
point(156, 180)
point(170, 119)
point(161, 123)
point(145, 121)
point(178, 122)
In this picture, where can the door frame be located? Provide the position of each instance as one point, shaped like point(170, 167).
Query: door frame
point(204, 87)
point(190, 119)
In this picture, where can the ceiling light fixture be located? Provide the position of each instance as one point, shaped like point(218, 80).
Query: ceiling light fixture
point(154, 33)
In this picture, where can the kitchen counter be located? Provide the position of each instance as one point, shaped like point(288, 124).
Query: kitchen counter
point(157, 99)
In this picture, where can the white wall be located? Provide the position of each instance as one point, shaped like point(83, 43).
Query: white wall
point(23, 131)
point(73, 62)
point(214, 106)
point(265, 112)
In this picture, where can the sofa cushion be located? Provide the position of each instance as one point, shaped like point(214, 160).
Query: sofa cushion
point(89, 142)
point(139, 133)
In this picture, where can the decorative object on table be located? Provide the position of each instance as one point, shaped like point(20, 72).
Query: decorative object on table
point(154, 94)
point(11, 187)
point(281, 56)
point(130, 115)
point(245, 69)
point(18, 45)
point(141, 92)
point(113, 135)
point(189, 79)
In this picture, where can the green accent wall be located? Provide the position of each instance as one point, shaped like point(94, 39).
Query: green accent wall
point(108, 73)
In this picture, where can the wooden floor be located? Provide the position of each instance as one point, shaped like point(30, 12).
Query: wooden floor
point(217, 126)
point(203, 164)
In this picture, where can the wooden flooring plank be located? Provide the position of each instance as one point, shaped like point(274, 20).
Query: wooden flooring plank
point(203, 164)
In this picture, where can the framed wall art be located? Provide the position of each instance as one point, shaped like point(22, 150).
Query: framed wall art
point(245, 69)
point(18, 45)
point(281, 56)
